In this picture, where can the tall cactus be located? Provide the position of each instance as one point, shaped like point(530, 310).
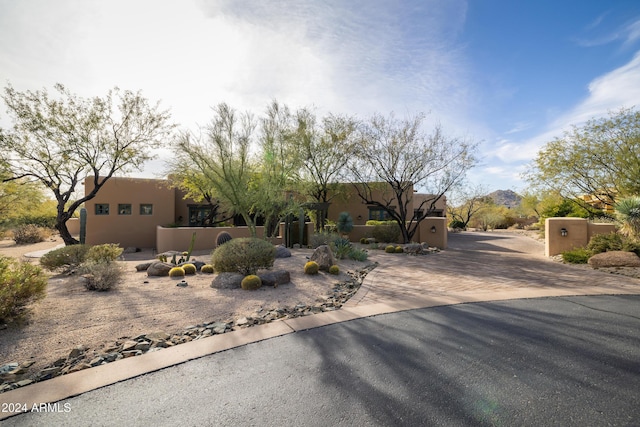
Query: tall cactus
point(83, 226)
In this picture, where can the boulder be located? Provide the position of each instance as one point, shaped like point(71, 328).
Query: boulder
point(227, 281)
point(323, 257)
point(159, 269)
point(282, 252)
point(413, 248)
point(144, 266)
point(275, 278)
point(614, 259)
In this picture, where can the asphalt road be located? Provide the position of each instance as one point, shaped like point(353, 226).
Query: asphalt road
point(572, 361)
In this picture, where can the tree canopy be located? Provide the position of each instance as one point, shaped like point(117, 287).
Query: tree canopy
point(600, 159)
point(60, 140)
point(398, 154)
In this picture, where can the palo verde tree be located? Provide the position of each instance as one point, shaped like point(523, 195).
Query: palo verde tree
point(395, 156)
point(600, 159)
point(58, 141)
point(466, 202)
point(326, 149)
point(278, 170)
point(220, 157)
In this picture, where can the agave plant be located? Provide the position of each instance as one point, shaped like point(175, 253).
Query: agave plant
point(628, 213)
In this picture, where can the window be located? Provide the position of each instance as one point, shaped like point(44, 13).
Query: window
point(199, 216)
point(378, 214)
point(124, 209)
point(102, 208)
point(146, 209)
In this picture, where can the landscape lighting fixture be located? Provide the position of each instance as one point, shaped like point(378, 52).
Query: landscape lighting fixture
point(433, 229)
point(563, 232)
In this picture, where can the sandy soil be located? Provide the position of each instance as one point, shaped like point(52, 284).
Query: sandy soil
point(70, 315)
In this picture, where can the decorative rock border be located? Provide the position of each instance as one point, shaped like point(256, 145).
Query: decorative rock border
point(14, 375)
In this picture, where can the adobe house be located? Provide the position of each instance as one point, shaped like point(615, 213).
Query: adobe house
point(148, 213)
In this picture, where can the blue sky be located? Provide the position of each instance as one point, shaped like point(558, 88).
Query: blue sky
point(508, 74)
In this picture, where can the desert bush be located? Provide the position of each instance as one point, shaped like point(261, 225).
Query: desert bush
point(207, 269)
point(244, 255)
point(399, 249)
point(576, 256)
point(65, 258)
point(100, 275)
point(189, 268)
point(605, 242)
point(104, 253)
point(29, 233)
point(334, 269)
point(628, 213)
point(613, 242)
point(177, 272)
point(222, 238)
point(388, 233)
point(251, 282)
point(390, 249)
point(20, 284)
point(311, 267)
point(341, 248)
point(323, 238)
point(457, 224)
point(358, 254)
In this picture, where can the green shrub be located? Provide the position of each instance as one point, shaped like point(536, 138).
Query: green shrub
point(104, 253)
point(311, 267)
point(28, 234)
point(20, 284)
point(399, 249)
point(243, 255)
point(251, 282)
point(605, 242)
point(177, 272)
point(207, 269)
point(358, 254)
point(334, 269)
point(364, 241)
point(341, 248)
point(388, 233)
point(189, 268)
point(390, 249)
point(457, 224)
point(100, 275)
point(576, 256)
point(65, 258)
point(376, 222)
point(323, 238)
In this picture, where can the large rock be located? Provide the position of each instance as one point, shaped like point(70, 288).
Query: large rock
point(159, 269)
point(227, 281)
point(282, 252)
point(614, 259)
point(323, 256)
point(413, 248)
point(144, 266)
point(275, 278)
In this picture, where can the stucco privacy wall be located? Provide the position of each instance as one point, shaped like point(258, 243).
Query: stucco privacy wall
point(578, 233)
point(179, 238)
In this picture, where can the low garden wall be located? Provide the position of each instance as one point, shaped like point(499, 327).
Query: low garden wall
point(179, 238)
point(565, 234)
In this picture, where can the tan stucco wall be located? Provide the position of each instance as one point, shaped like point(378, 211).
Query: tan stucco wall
point(439, 239)
point(73, 225)
point(359, 211)
point(129, 230)
point(179, 238)
point(579, 232)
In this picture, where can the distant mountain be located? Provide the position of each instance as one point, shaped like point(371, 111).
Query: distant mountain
point(506, 198)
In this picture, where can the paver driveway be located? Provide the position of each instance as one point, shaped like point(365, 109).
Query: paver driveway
point(483, 266)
